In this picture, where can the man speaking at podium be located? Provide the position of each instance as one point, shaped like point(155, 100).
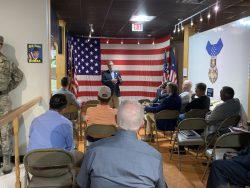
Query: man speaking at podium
point(112, 79)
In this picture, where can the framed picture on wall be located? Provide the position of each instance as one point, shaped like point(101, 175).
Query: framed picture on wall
point(35, 53)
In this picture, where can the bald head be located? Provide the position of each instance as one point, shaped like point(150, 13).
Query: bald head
point(186, 86)
point(110, 65)
point(130, 116)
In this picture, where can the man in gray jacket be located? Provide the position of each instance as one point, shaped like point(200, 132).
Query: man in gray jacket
point(230, 106)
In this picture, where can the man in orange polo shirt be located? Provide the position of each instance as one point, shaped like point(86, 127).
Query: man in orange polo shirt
point(102, 113)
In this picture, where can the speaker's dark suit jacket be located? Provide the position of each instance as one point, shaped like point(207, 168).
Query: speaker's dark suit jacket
point(106, 80)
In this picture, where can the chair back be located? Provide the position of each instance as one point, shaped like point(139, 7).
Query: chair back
point(230, 121)
point(166, 120)
point(233, 140)
point(100, 131)
point(196, 113)
point(48, 162)
point(93, 102)
point(192, 124)
point(142, 101)
point(167, 114)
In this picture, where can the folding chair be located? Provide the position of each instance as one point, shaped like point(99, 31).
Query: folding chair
point(226, 143)
point(165, 120)
point(210, 138)
point(195, 140)
point(49, 168)
point(99, 131)
point(72, 112)
point(196, 113)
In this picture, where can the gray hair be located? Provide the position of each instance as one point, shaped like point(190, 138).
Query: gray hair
point(130, 115)
point(187, 85)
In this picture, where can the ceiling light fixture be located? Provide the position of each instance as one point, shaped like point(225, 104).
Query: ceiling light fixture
point(153, 42)
point(181, 21)
point(208, 15)
point(122, 42)
point(107, 41)
point(141, 18)
point(201, 19)
point(138, 42)
point(216, 8)
point(182, 28)
point(178, 28)
point(192, 23)
point(174, 29)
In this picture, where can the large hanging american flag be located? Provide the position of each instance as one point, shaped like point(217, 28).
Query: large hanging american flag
point(141, 65)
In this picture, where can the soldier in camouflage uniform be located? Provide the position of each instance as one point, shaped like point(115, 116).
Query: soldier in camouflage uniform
point(10, 77)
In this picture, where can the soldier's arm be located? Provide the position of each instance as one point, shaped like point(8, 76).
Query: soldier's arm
point(16, 77)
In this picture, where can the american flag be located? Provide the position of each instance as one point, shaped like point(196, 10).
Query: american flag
point(165, 67)
point(140, 64)
point(173, 68)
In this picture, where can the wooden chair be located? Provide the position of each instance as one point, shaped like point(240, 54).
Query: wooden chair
point(73, 113)
point(99, 131)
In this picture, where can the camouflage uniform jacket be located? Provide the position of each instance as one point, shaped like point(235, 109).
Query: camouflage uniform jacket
point(10, 75)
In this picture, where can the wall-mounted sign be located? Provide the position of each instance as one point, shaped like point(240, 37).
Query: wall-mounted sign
point(35, 53)
point(137, 27)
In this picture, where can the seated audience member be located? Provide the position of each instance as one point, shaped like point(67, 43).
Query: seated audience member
point(161, 93)
point(230, 106)
point(235, 172)
point(186, 94)
point(53, 130)
point(71, 99)
point(102, 113)
point(172, 102)
point(122, 160)
point(202, 102)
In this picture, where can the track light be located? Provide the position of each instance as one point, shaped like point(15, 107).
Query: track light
point(138, 42)
point(192, 23)
point(208, 15)
point(174, 29)
point(182, 28)
point(216, 8)
point(107, 41)
point(153, 42)
point(178, 28)
point(121, 42)
point(201, 19)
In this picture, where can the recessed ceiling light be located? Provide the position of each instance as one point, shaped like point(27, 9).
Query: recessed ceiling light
point(149, 35)
point(141, 18)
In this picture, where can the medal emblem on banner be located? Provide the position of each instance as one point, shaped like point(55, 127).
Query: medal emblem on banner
point(213, 50)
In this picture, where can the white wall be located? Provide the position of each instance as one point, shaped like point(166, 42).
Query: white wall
point(23, 22)
point(232, 61)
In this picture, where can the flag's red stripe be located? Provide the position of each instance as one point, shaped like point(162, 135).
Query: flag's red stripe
point(140, 73)
point(135, 62)
point(135, 41)
point(125, 83)
point(123, 93)
point(135, 52)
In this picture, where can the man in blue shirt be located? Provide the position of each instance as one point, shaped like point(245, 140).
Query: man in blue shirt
point(51, 129)
point(122, 160)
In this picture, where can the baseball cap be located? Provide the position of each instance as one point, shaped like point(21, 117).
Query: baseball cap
point(104, 92)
